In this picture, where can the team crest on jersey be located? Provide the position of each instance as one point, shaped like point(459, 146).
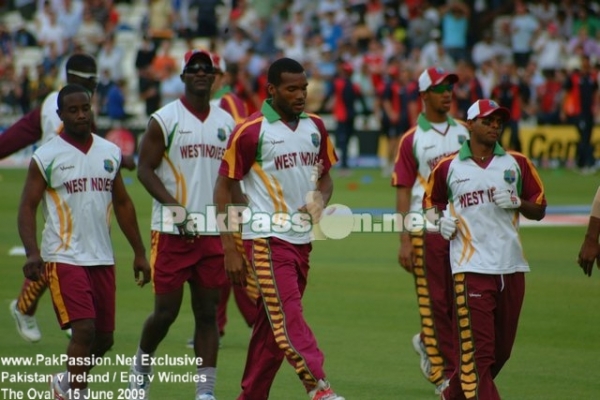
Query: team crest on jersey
point(510, 176)
point(314, 137)
point(462, 139)
point(221, 134)
point(109, 165)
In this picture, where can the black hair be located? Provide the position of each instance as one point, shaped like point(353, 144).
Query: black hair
point(280, 66)
point(81, 63)
point(70, 89)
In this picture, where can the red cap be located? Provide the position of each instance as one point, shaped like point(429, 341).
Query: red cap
point(189, 55)
point(434, 76)
point(484, 108)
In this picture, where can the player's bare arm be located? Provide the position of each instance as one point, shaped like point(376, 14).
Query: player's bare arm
point(126, 217)
point(531, 210)
point(25, 132)
point(406, 255)
point(33, 191)
point(152, 149)
point(233, 260)
point(590, 249)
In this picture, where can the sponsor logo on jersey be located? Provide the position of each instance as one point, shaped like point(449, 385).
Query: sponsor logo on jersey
point(221, 134)
point(109, 166)
point(510, 176)
point(314, 137)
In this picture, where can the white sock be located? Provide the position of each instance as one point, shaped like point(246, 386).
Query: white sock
point(63, 382)
point(142, 361)
point(206, 383)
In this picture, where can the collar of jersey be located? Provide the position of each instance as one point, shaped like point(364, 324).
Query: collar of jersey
point(221, 92)
point(425, 125)
point(465, 151)
point(271, 115)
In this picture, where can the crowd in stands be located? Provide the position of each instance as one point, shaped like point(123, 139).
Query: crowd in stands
point(520, 53)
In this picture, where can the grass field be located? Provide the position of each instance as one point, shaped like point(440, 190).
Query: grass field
point(360, 304)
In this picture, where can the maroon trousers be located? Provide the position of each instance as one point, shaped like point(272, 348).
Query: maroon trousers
point(280, 330)
point(488, 309)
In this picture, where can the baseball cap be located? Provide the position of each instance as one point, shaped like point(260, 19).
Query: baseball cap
point(484, 108)
point(219, 63)
point(434, 76)
point(191, 54)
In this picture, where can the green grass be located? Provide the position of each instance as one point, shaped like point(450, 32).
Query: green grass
point(361, 306)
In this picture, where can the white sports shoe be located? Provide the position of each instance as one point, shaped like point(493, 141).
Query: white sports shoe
point(139, 385)
point(57, 392)
point(26, 325)
point(206, 396)
point(419, 347)
point(323, 391)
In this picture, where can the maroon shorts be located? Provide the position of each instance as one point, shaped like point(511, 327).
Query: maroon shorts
point(178, 259)
point(83, 292)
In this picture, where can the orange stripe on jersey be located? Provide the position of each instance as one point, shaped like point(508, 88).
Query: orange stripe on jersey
point(233, 109)
point(534, 174)
point(230, 155)
point(406, 135)
point(154, 235)
point(57, 299)
point(273, 187)
point(65, 220)
point(330, 152)
point(468, 248)
point(180, 186)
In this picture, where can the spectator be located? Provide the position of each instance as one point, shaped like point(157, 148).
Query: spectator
point(101, 95)
point(419, 28)
point(149, 89)
point(71, 17)
point(90, 34)
point(549, 99)
point(489, 50)
point(550, 49)
point(467, 90)
point(145, 54)
point(523, 28)
point(172, 87)
point(207, 21)
point(115, 101)
point(53, 37)
point(455, 24)
point(581, 88)
point(508, 93)
point(110, 57)
point(161, 17)
point(163, 63)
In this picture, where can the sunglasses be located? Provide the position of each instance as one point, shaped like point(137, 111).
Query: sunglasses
point(84, 75)
point(439, 89)
point(195, 68)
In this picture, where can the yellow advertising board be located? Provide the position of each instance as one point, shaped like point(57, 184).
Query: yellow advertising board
point(557, 142)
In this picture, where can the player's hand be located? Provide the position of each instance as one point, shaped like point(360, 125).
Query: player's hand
point(235, 267)
point(406, 255)
point(506, 199)
point(314, 205)
point(141, 265)
point(448, 227)
point(589, 253)
point(33, 267)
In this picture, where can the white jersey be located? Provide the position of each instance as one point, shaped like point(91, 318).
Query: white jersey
point(488, 235)
point(51, 123)
point(276, 164)
point(77, 203)
point(190, 165)
point(420, 149)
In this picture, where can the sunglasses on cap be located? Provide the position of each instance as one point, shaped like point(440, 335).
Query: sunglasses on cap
point(195, 68)
point(439, 89)
point(84, 75)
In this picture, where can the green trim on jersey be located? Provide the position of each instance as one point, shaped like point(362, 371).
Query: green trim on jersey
point(170, 137)
point(519, 182)
point(425, 125)
point(48, 173)
point(465, 151)
point(221, 92)
point(271, 115)
point(259, 155)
